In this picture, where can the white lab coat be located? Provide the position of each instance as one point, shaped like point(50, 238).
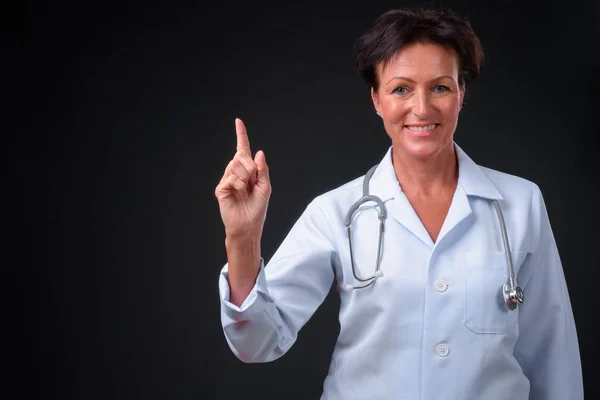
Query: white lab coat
point(435, 325)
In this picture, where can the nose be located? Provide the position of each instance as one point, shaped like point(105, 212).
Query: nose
point(421, 106)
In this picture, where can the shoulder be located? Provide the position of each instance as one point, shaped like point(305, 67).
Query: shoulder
point(335, 202)
point(482, 180)
point(509, 184)
point(521, 196)
point(341, 193)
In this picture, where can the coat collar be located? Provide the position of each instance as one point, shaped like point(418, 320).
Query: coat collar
point(471, 178)
point(472, 181)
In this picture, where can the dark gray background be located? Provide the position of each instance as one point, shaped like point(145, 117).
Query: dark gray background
point(130, 125)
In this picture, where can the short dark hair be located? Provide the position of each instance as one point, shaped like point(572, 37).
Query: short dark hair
point(397, 28)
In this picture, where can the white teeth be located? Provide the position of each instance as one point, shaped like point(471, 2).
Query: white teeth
point(421, 128)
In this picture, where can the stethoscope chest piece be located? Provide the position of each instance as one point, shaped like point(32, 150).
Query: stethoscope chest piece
point(513, 295)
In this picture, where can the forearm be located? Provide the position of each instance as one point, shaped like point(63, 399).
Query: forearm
point(243, 257)
point(261, 315)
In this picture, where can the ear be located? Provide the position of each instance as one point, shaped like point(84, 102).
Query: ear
point(462, 96)
point(375, 98)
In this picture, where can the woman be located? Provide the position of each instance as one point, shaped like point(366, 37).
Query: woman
point(442, 317)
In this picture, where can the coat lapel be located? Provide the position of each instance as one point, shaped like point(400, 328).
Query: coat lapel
point(472, 181)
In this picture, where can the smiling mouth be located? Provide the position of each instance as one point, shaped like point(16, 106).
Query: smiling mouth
point(421, 128)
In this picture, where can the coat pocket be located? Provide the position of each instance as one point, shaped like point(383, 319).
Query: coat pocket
point(485, 309)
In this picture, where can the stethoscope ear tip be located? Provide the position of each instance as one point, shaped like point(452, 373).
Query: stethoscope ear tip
point(378, 274)
point(348, 287)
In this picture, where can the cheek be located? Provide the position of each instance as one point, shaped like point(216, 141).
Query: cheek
point(451, 108)
point(395, 112)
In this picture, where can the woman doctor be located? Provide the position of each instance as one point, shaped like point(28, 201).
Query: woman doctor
point(434, 322)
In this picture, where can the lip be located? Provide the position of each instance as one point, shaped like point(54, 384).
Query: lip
point(422, 124)
point(423, 133)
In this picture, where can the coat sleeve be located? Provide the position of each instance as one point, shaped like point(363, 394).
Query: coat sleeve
point(287, 292)
point(547, 347)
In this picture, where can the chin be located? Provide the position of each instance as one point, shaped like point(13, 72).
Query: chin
point(420, 149)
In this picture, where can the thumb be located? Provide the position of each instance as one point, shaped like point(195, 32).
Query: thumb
point(261, 166)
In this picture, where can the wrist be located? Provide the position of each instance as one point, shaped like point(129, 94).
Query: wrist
point(243, 256)
point(242, 243)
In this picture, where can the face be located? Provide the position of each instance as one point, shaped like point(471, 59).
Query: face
point(419, 98)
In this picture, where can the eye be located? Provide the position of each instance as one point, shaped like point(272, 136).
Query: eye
point(441, 89)
point(401, 90)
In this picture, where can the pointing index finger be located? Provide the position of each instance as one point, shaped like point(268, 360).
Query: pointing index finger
point(243, 144)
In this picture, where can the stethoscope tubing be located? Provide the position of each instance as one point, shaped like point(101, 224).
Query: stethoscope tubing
point(513, 295)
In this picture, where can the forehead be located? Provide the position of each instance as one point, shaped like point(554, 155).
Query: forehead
point(420, 61)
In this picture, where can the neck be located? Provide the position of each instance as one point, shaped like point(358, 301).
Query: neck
point(426, 177)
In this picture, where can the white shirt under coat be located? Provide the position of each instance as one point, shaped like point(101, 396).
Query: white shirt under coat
point(435, 326)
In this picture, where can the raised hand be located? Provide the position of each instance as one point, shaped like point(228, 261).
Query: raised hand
point(244, 190)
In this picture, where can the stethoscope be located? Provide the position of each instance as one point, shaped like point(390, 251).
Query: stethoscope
point(512, 293)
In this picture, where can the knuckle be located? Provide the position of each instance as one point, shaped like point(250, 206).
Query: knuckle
point(221, 188)
point(237, 171)
point(241, 186)
point(237, 182)
point(245, 156)
point(245, 159)
point(253, 167)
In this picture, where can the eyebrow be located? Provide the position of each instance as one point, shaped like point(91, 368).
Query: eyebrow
point(412, 80)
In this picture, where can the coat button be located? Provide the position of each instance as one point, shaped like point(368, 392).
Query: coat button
point(442, 349)
point(440, 285)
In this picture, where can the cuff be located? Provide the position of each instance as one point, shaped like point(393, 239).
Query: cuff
point(255, 302)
